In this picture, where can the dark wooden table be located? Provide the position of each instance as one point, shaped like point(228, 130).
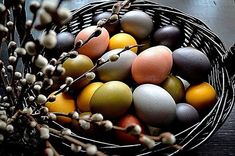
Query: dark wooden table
point(219, 15)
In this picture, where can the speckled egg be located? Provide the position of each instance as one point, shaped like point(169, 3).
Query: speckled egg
point(96, 46)
point(152, 65)
point(118, 70)
point(154, 105)
point(191, 64)
point(137, 23)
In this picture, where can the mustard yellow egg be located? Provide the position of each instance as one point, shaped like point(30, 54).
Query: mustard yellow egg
point(84, 97)
point(112, 99)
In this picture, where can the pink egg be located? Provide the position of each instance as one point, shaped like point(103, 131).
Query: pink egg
point(95, 47)
point(152, 65)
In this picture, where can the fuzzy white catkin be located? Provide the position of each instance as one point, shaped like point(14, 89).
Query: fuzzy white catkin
point(10, 129)
point(76, 148)
point(147, 141)
point(108, 125)
point(1, 137)
point(30, 78)
point(48, 40)
point(41, 99)
point(40, 61)
point(91, 150)
point(30, 48)
point(97, 117)
point(44, 17)
point(20, 51)
point(44, 133)
point(64, 15)
point(75, 115)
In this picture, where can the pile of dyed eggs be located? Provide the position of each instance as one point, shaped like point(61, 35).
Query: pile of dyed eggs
point(160, 84)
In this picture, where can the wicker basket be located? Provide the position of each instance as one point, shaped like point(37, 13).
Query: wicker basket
point(197, 35)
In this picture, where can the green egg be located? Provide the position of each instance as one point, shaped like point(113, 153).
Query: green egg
point(112, 99)
point(175, 87)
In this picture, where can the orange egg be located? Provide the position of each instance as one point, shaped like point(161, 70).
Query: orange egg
point(121, 40)
point(152, 65)
point(64, 103)
point(96, 46)
point(84, 97)
point(201, 96)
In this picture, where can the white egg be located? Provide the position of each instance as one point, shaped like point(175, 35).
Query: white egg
point(118, 70)
point(154, 105)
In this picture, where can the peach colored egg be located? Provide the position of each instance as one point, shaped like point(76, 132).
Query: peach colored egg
point(152, 65)
point(96, 46)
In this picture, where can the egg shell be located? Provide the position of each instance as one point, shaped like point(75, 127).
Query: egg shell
point(112, 27)
point(186, 115)
point(125, 121)
point(118, 70)
point(96, 46)
point(170, 36)
point(137, 23)
point(84, 97)
point(154, 105)
point(191, 64)
point(121, 40)
point(112, 99)
point(152, 65)
point(201, 96)
point(75, 67)
point(64, 103)
point(175, 87)
point(65, 42)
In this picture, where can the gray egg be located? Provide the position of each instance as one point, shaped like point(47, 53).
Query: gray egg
point(65, 41)
point(137, 23)
point(191, 64)
point(154, 105)
point(118, 70)
point(186, 115)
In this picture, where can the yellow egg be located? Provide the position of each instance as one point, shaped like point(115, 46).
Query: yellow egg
point(112, 99)
point(84, 97)
point(76, 67)
point(121, 40)
point(64, 103)
point(201, 96)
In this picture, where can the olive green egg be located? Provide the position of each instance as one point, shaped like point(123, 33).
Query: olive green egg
point(175, 87)
point(112, 99)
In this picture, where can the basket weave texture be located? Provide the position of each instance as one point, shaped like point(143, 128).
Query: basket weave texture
point(197, 35)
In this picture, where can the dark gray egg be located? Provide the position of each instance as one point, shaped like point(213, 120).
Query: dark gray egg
point(191, 64)
point(65, 42)
point(137, 23)
point(186, 115)
point(170, 36)
point(112, 27)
